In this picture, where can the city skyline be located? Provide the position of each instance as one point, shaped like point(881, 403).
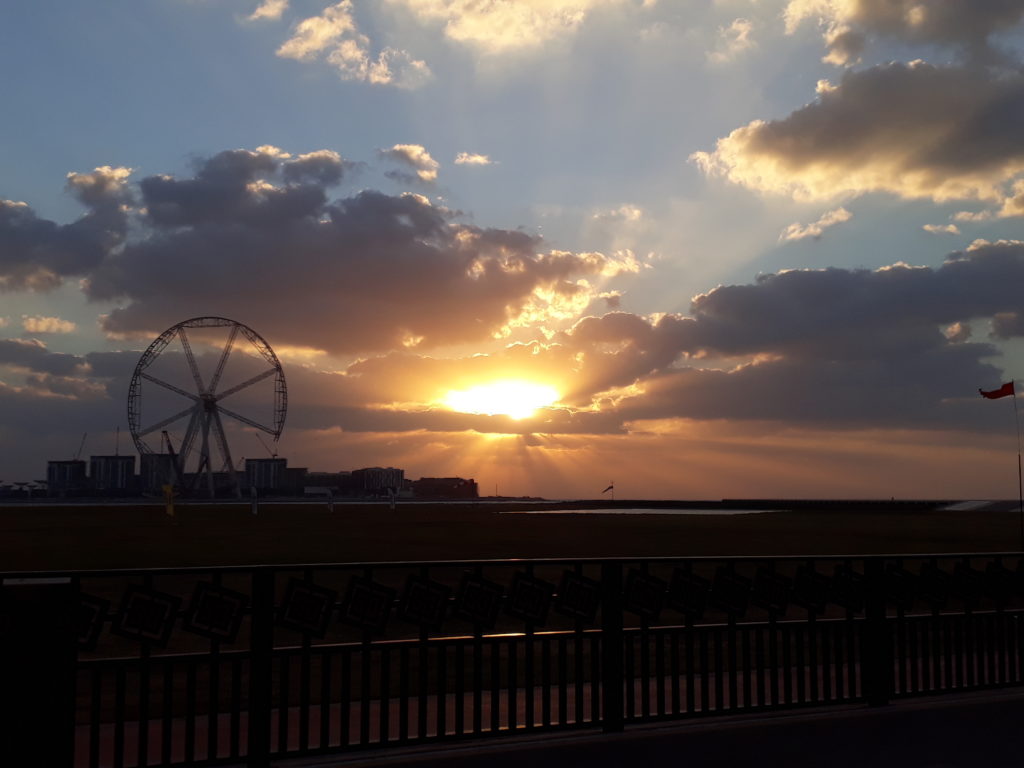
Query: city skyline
point(714, 249)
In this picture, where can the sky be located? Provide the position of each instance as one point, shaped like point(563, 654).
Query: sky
point(691, 248)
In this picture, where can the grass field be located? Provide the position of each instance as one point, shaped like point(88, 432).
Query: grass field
point(85, 537)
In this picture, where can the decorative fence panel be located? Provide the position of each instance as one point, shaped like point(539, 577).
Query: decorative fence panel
point(245, 665)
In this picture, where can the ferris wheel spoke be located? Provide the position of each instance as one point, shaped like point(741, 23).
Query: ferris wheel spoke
point(245, 420)
point(169, 420)
point(223, 358)
point(179, 390)
point(222, 441)
point(247, 383)
point(190, 436)
point(191, 360)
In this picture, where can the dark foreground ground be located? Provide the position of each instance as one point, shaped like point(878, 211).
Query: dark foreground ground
point(78, 537)
point(967, 731)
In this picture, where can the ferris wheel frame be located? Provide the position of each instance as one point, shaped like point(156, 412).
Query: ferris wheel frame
point(205, 411)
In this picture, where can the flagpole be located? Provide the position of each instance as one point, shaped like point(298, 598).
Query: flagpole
point(1020, 485)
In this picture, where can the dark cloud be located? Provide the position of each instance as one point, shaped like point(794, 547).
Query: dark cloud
point(230, 187)
point(841, 314)
point(368, 272)
point(65, 386)
point(252, 235)
point(323, 167)
point(36, 254)
point(934, 389)
point(834, 346)
point(34, 356)
point(1007, 325)
point(968, 25)
point(914, 130)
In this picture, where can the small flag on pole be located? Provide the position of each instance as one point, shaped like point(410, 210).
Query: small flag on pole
point(609, 488)
point(1004, 391)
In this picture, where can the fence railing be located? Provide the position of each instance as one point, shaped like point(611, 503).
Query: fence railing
point(200, 666)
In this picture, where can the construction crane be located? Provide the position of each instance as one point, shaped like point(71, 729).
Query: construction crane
point(81, 445)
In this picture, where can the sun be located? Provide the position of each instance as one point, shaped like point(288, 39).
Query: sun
point(516, 399)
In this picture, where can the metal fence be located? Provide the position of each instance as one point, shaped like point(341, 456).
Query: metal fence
point(243, 665)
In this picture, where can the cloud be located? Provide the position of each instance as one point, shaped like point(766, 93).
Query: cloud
point(732, 41)
point(40, 324)
point(898, 309)
point(913, 130)
point(324, 167)
point(957, 332)
point(972, 216)
point(334, 35)
point(625, 213)
point(367, 272)
point(269, 9)
point(391, 67)
point(844, 46)
point(834, 348)
point(471, 158)
point(32, 355)
point(942, 229)
point(950, 22)
point(815, 229)
point(71, 387)
point(232, 185)
point(315, 34)
point(413, 156)
point(37, 254)
point(1013, 203)
point(501, 26)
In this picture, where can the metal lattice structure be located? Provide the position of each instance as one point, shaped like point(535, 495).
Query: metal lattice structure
point(206, 407)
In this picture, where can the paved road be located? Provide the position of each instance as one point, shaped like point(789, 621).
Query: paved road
point(968, 731)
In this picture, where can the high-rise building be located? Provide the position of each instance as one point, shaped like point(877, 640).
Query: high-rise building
point(65, 477)
point(112, 473)
point(266, 474)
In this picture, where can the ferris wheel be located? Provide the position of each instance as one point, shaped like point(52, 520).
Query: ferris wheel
point(177, 376)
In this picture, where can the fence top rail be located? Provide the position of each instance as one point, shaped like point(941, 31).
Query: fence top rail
point(6, 576)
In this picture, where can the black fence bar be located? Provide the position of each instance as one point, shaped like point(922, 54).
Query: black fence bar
point(200, 666)
point(261, 660)
point(612, 705)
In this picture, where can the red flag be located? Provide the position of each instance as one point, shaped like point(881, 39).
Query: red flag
point(608, 488)
point(1004, 391)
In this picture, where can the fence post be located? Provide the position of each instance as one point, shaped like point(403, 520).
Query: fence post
point(876, 659)
point(38, 659)
point(611, 647)
point(261, 635)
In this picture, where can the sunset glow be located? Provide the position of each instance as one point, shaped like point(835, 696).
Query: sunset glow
point(476, 254)
point(517, 399)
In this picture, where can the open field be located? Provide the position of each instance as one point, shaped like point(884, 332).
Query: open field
point(42, 537)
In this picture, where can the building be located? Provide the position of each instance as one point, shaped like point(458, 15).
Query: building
point(326, 483)
point(445, 488)
point(266, 474)
point(112, 473)
point(377, 481)
point(65, 478)
point(155, 471)
point(273, 475)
